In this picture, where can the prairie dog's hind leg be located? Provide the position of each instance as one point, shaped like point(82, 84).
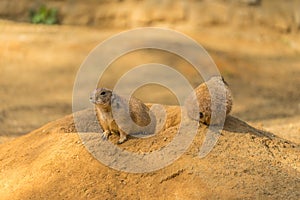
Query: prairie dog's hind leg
point(123, 137)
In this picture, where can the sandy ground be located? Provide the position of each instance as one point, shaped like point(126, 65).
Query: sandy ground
point(38, 66)
point(246, 163)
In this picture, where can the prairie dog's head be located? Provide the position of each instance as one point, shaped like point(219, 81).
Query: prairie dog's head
point(101, 96)
point(217, 79)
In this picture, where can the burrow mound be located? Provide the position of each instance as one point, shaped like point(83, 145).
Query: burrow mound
point(53, 163)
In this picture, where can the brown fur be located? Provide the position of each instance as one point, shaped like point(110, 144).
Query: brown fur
point(105, 99)
point(217, 86)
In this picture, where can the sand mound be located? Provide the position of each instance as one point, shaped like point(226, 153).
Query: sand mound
point(246, 163)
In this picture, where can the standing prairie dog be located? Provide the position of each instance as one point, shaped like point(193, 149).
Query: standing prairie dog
point(105, 101)
point(222, 106)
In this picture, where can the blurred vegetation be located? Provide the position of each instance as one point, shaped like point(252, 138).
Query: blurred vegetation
point(44, 15)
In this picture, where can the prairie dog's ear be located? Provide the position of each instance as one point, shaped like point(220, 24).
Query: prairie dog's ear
point(207, 120)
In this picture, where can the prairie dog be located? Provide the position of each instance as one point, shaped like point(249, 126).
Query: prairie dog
point(219, 89)
point(105, 101)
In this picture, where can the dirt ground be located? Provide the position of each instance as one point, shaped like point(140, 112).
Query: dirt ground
point(38, 66)
point(246, 163)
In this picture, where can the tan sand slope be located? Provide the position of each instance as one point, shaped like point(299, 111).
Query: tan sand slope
point(246, 163)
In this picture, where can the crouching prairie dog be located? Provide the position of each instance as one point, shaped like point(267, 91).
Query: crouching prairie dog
point(109, 104)
point(222, 106)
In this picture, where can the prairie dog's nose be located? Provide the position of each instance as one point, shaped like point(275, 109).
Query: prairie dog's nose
point(92, 97)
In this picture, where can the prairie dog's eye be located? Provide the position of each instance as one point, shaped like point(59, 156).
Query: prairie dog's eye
point(102, 93)
point(201, 115)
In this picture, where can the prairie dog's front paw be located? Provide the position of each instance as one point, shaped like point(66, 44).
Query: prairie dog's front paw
point(105, 135)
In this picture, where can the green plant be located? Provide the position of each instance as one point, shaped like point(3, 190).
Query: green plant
point(44, 15)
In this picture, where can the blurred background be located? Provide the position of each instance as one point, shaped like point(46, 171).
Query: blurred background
point(255, 44)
